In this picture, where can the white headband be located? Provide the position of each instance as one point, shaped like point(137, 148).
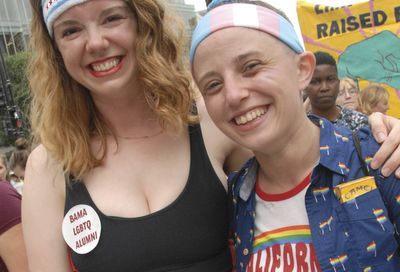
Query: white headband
point(52, 9)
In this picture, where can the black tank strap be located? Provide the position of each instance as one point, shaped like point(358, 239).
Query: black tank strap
point(357, 145)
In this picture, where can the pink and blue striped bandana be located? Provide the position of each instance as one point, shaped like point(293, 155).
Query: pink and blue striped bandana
point(52, 9)
point(245, 15)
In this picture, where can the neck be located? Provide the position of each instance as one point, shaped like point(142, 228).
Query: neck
point(129, 117)
point(282, 170)
point(331, 114)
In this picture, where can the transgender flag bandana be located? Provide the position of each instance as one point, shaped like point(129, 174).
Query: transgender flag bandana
point(52, 9)
point(245, 15)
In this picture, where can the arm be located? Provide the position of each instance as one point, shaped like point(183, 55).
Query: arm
point(42, 213)
point(381, 126)
point(12, 249)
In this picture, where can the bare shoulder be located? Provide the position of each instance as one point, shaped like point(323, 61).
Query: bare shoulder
point(44, 173)
point(43, 211)
point(226, 151)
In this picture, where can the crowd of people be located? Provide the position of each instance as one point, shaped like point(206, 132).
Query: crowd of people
point(134, 144)
point(12, 247)
point(373, 98)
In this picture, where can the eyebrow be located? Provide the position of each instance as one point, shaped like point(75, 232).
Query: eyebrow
point(236, 60)
point(206, 75)
point(118, 6)
point(244, 56)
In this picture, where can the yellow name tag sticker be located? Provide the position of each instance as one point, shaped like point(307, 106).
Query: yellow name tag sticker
point(355, 188)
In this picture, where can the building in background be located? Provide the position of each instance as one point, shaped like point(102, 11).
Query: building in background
point(14, 26)
point(186, 11)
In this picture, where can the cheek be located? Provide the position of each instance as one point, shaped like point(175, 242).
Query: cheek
point(69, 62)
point(354, 98)
point(214, 107)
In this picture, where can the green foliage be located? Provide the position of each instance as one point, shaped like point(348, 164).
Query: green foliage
point(16, 69)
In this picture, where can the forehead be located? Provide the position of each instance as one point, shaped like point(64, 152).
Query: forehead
point(324, 70)
point(237, 40)
point(89, 7)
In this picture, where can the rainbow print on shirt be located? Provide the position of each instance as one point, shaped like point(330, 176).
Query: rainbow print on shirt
point(337, 136)
point(379, 217)
point(372, 247)
point(325, 224)
point(389, 257)
point(325, 148)
point(342, 259)
point(282, 248)
point(343, 167)
point(368, 161)
point(293, 234)
point(334, 262)
point(320, 192)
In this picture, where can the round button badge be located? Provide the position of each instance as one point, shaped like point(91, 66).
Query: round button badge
point(81, 228)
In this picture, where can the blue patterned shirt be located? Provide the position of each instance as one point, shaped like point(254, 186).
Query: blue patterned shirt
point(358, 235)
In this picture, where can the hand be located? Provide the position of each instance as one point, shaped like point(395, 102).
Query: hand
point(381, 125)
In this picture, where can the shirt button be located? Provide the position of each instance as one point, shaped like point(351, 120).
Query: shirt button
point(245, 252)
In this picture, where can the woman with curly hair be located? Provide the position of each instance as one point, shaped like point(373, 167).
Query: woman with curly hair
point(125, 177)
point(373, 98)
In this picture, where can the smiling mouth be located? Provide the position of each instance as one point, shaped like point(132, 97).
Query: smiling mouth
point(250, 116)
point(106, 65)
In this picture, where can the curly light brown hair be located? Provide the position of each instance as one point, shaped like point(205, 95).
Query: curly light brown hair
point(63, 115)
point(370, 96)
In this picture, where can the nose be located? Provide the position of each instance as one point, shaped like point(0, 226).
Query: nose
point(324, 86)
point(96, 41)
point(235, 91)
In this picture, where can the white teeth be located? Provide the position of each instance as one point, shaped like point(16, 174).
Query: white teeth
point(249, 116)
point(105, 66)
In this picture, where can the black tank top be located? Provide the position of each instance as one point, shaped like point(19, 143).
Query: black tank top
point(190, 234)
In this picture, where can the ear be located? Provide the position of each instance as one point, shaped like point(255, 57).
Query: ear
point(305, 69)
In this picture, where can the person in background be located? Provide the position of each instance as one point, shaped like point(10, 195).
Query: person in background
point(373, 98)
point(17, 163)
point(12, 248)
point(323, 91)
point(3, 167)
point(348, 94)
point(293, 209)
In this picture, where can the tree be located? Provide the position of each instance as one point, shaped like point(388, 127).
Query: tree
point(16, 71)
